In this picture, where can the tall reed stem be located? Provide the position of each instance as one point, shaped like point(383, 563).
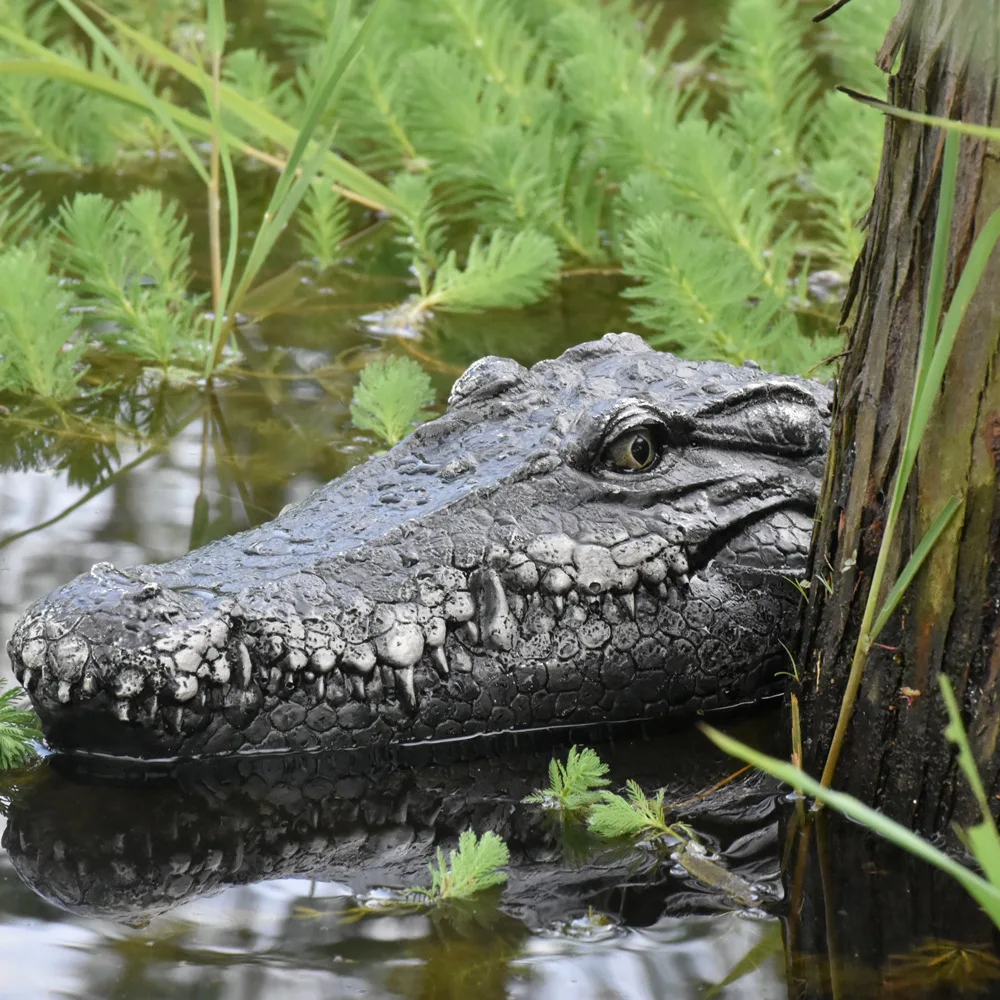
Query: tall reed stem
point(214, 194)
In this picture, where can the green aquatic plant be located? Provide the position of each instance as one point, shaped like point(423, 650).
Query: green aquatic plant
point(391, 398)
point(632, 815)
point(132, 266)
point(19, 728)
point(473, 868)
point(508, 140)
point(19, 213)
point(40, 346)
point(505, 272)
point(574, 785)
point(323, 224)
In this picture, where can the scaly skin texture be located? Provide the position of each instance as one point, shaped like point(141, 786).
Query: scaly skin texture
point(497, 570)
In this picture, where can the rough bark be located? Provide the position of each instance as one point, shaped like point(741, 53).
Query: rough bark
point(896, 754)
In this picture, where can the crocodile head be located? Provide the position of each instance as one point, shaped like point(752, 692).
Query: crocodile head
point(604, 536)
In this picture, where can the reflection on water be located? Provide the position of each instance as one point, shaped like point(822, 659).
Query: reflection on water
point(245, 880)
point(290, 940)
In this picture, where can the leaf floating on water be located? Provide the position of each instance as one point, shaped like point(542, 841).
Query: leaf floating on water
point(473, 868)
point(575, 785)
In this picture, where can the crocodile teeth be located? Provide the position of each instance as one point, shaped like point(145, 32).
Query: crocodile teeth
point(360, 658)
point(404, 688)
point(243, 672)
point(628, 600)
point(357, 686)
point(496, 623)
point(440, 660)
point(324, 660)
point(65, 692)
point(185, 687)
point(401, 646)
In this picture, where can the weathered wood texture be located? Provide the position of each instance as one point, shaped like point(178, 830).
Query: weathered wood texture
point(945, 53)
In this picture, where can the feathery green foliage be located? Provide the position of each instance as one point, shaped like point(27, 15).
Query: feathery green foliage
point(421, 228)
point(698, 291)
point(323, 224)
point(19, 726)
point(635, 816)
point(575, 784)
point(771, 83)
point(473, 868)
point(132, 262)
point(507, 138)
point(40, 348)
point(509, 271)
point(390, 398)
point(19, 215)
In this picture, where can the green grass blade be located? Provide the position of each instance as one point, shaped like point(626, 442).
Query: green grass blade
point(972, 273)
point(220, 326)
point(293, 184)
point(275, 219)
point(983, 839)
point(912, 567)
point(25, 44)
point(136, 83)
point(215, 34)
point(949, 124)
point(320, 98)
point(919, 410)
point(262, 120)
point(939, 259)
point(62, 69)
point(987, 895)
point(56, 68)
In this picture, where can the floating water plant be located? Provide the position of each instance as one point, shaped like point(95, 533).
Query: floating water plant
point(632, 815)
point(574, 785)
point(19, 728)
point(473, 868)
point(131, 262)
point(390, 398)
point(39, 349)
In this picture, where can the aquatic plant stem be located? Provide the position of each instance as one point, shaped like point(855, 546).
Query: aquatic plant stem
point(214, 200)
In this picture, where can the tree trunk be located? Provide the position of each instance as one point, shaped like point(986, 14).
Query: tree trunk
point(896, 754)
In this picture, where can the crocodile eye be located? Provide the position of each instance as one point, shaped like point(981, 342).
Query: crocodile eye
point(633, 451)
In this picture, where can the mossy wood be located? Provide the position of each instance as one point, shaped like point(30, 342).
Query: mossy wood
point(945, 53)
